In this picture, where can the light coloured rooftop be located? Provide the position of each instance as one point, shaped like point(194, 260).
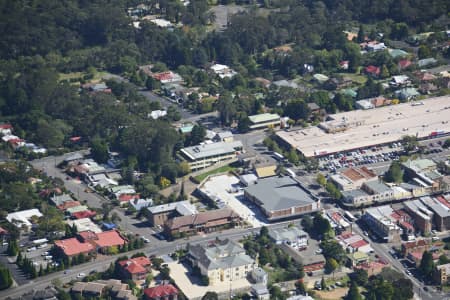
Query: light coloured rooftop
point(372, 127)
point(211, 150)
point(261, 118)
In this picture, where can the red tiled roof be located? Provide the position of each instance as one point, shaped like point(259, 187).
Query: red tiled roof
point(109, 239)
point(443, 201)
point(135, 265)
point(3, 231)
point(68, 204)
point(160, 291)
point(163, 76)
point(6, 126)
point(73, 246)
point(128, 197)
point(75, 138)
point(88, 235)
point(84, 214)
point(404, 63)
point(372, 70)
point(359, 244)
point(406, 225)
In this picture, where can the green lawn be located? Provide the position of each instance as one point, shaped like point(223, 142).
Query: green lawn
point(360, 79)
point(79, 75)
point(222, 169)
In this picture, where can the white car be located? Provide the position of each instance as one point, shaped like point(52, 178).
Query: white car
point(81, 275)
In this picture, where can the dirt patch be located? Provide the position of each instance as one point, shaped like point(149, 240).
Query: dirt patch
point(332, 295)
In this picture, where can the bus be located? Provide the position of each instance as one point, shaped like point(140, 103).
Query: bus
point(278, 156)
point(350, 217)
point(290, 173)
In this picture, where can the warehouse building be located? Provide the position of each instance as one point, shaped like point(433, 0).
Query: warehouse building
point(280, 198)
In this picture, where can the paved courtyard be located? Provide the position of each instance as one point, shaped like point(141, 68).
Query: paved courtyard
point(190, 287)
point(228, 189)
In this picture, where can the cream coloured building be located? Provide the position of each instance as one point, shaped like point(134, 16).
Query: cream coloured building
point(221, 261)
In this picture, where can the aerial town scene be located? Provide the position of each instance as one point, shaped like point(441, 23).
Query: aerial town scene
point(206, 150)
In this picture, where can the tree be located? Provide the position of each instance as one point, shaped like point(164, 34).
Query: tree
point(226, 108)
point(99, 151)
point(353, 292)
point(361, 34)
point(321, 225)
point(331, 265)
point(443, 259)
point(384, 72)
point(403, 289)
point(410, 143)
point(210, 296)
point(394, 174)
point(5, 278)
point(297, 109)
point(293, 156)
point(196, 136)
point(333, 190)
point(426, 264)
point(360, 277)
point(446, 143)
point(323, 283)
point(13, 248)
point(321, 179)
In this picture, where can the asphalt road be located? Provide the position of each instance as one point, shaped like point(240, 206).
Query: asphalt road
point(382, 250)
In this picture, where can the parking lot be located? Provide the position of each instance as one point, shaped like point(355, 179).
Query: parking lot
point(226, 190)
point(39, 255)
point(360, 157)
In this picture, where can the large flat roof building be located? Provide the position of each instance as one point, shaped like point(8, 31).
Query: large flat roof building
point(365, 128)
point(203, 156)
point(264, 120)
point(22, 218)
point(280, 197)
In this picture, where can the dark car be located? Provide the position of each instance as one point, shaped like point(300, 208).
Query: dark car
point(425, 288)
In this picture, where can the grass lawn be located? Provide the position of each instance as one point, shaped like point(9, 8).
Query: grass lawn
point(360, 79)
point(79, 75)
point(222, 169)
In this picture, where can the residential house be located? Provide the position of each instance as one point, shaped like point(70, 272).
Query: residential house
point(4, 234)
point(159, 214)
point(344, 64)
point(135, 268)
point(222, 261)
point(88, 289)
point(375, 46)
point(139, 204)
point(207, 221)
point(399, 80)
point(167, 77)
point(421, 63)
point(419, 245)
point(292, 236)
point(84, 224)
point(6, 129)
point(264, 171)
point(404, 63)
point(372, 71)
point(125, 199)
point(223, 71)
point(161, 292)
point(407, 94)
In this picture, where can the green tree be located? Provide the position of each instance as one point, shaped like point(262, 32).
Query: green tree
point(321, 179)
point(321, 225)
point(5, 278)
point(226, 108)
point(410, 143)
point(426, 264)
point(293, 156)
point(210, 296)
point(331, 265)
point(384, 72)
point(360, 277)
point(353, 292)
point(13, 248)
point(394, 174)
point(333, 190)
point(99, 151)
point(446, 143)
point(323, 283)
point(361, 34)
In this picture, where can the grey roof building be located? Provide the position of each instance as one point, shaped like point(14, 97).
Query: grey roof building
point(221, 261)
point(280, 197)
point(202, 156)
point(293, 236)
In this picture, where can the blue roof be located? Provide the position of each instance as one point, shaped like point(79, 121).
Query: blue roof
point(108, 226)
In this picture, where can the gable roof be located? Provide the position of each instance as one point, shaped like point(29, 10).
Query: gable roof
point(73, 246)
point(109, 239)
point(160, 291)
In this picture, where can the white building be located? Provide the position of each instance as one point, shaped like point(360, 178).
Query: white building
point(22, 218)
